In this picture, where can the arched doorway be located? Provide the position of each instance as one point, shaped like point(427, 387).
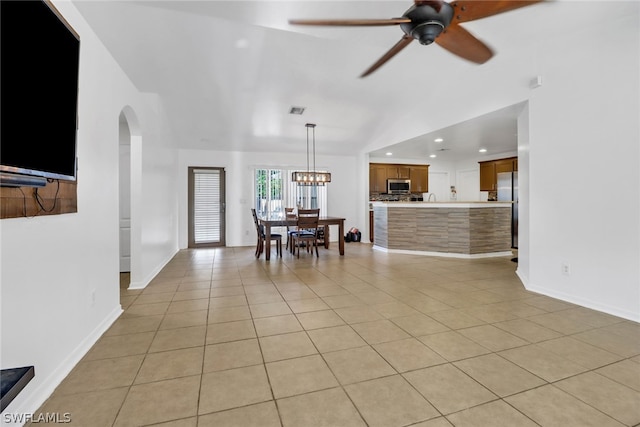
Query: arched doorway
point(130, 149)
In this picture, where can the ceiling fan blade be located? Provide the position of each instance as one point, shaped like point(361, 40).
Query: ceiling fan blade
point(404, 42)
point(351, 22)
point(470, 10)
point(460, 42)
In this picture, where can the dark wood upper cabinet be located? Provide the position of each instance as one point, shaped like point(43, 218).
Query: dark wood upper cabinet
point(380, 172)
point(398, 171)
point(419, 179)
point(504, 165)
point(487, 176)
point(377, 178)
point(489, 172)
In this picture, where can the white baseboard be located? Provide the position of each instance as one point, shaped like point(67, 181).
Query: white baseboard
point(144, 282)
point(524, 279)
point(595, 305)
point(29, 404)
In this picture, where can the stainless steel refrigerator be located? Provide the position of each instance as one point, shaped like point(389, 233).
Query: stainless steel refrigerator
point(508, 192)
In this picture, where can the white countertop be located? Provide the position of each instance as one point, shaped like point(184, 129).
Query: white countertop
point(472, 205)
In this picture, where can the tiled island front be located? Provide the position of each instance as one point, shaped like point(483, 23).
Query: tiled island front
point(460, 229)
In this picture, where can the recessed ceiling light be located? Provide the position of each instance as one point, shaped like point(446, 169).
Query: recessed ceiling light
point(482, 150)
point(438, 140)
point(389, 153)
point(433, 156)
point(296, 110)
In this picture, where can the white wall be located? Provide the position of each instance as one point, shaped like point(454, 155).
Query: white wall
point(524, 196)
point(584, 206)
point(59, 274)
point(342, 192)
point(159, 196)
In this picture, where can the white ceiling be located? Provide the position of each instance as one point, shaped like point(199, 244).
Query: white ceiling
point(229, 71)
point(494, 132)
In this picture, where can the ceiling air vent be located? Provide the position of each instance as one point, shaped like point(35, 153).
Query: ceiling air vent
point(296, 110)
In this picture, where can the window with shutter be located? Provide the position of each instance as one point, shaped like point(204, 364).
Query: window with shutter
point(274, 191)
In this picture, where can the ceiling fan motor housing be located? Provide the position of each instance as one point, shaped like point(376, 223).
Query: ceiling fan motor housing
point(426, 22)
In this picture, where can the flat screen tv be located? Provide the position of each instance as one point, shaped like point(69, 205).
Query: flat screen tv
point(40, 55)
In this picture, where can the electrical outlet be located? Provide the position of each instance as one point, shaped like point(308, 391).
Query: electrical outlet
point(246, 232)
point(93, 297)
point(566, 269)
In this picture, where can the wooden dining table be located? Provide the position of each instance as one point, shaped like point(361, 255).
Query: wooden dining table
point(280, 220)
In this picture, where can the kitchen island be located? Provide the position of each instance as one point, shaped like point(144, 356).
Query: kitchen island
point(455, 229)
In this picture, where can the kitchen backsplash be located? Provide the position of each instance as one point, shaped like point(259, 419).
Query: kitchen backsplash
point(382, 197)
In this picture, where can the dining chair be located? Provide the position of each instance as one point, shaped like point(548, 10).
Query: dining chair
point(262, 237)
point(292, 229)
point(290, 215)
point(307, 232)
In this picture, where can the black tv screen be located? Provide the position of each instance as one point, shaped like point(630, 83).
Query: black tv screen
point(39, 89)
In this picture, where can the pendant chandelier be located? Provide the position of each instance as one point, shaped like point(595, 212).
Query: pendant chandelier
point(311, 176)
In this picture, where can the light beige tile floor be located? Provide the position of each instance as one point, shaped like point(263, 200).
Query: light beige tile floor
point(220, 338)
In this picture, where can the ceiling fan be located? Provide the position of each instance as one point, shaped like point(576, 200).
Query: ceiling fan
point(434, 20)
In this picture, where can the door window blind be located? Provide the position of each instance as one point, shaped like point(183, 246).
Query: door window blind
point(206, 206)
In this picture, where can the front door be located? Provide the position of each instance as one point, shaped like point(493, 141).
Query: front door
point(206, 207)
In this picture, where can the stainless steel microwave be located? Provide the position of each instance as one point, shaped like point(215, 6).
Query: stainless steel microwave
point(398, 186)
